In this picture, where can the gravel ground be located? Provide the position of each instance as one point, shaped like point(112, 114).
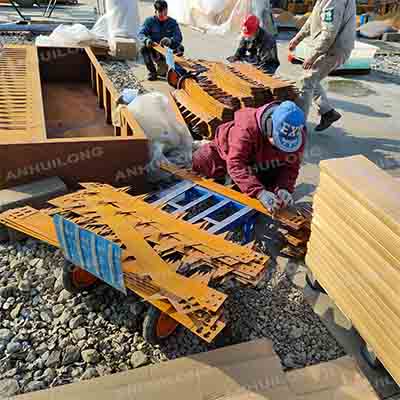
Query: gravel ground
point(388, 65)
point(49, 337)
point(121, 75)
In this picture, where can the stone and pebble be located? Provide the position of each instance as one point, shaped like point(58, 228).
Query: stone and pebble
point(49, 337)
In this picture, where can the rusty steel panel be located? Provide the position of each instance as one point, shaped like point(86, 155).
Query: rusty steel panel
point(21, 105)
point(212, 91)
point(280, 89)
point(28, 153)
point(198, 120)
point(250, 94)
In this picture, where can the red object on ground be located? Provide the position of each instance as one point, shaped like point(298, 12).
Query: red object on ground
point(250, 25)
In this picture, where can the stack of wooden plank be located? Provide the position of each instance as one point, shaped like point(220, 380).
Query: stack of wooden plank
point(354, 250)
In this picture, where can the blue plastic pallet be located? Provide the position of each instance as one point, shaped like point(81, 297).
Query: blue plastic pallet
point(91, 252)
point(183, 196)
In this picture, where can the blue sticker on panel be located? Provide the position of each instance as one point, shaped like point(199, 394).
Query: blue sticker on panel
point(91, 252)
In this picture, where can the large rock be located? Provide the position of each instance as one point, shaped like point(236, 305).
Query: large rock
point(76, 322)
point(14, 347)
point(90, 356)
point(71, 355)
point(54, 359)
point(8, 387)
point(79, 334)
point(138, 359)
point(5, 335)
point(64, 296)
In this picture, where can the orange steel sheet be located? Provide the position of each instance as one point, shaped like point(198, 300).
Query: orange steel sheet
point(151, 264)
point(21, 104)
point(40, 225)
point(281, 89)
point(194, 241)
point(199, 121)
point(249, 94)
point(195, 325)
point(286, 217)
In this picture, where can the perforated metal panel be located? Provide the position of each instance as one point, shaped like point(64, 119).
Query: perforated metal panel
point(21, 105)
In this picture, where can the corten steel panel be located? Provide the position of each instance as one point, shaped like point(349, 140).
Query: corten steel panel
point(117, 161)
point(64, 64)
point(28, 154)
point(21, 106)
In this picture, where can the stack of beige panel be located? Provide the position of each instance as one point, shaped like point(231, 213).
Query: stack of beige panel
point(354, 250)
point(247, 371)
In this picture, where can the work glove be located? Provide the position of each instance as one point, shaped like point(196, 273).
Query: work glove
point(148, 43)
point(232, 59)
point(166, 42)
point(270, 201)
point(285, 197)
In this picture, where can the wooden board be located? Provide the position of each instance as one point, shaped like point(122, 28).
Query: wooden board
point(354, 250)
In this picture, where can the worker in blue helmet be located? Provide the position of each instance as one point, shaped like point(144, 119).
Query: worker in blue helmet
point(261, 150)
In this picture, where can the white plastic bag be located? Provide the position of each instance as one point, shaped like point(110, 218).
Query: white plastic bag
point(67, 35)
point(171, 139)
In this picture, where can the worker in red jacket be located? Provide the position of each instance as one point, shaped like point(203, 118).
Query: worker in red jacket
point(261, 150)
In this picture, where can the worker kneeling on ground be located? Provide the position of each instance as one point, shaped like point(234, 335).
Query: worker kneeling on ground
point(261, 150)
point(163, 30)
point(257, 46)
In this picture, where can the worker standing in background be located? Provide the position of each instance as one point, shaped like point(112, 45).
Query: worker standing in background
point(261, 150)
point(332, 28)
point(163, 30)
point(257, 46)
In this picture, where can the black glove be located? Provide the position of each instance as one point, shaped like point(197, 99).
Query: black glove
point(166, 42)
point(232, 59)
point(148, 43)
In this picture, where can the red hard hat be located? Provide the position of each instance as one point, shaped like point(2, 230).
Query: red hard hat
point(250, 25)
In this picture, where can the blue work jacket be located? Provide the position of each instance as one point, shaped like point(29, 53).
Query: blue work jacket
point(155, 30)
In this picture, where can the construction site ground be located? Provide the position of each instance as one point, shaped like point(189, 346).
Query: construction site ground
point(369, 126)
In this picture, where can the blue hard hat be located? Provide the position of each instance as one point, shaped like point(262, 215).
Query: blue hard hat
point(288, 121)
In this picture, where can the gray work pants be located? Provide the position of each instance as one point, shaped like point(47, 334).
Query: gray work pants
point(311, 90)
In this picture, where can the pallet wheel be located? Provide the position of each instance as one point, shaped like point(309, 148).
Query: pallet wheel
point(369, 355)
point(314, 284)
point(76, 279)
point(157, 326)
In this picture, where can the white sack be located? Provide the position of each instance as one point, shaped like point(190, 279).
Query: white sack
point(170, 139)
point(67, 35)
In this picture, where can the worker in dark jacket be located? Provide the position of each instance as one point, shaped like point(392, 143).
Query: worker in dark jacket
point(257, 46)
point(261, 150)
point(163, 30)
